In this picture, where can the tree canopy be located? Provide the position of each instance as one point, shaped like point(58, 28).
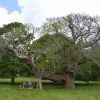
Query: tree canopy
point(67, 44)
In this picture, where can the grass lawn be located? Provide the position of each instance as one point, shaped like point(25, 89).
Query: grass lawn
point(50, 91)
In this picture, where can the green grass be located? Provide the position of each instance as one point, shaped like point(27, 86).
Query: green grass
point(50, 91)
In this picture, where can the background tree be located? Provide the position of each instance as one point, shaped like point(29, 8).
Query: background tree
point(18, 38)
point(11, 67)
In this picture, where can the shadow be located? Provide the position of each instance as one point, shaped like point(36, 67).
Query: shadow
point(10, 84)
point(55, 85)
point(87, 83)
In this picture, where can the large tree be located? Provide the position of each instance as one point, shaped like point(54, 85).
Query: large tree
point(83, 30)
point(18, 38)
point(55, 56)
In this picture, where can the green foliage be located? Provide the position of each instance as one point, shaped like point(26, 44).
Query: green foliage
point(95, 54)
point(17, 35)
point(95, 76)
point(10, 66)
point(85, 71)
point(54, 53)
point(88, 71)
point(9, 27)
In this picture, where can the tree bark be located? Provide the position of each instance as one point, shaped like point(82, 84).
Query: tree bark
point(69, 82)
point(12, 80)
point(54, 77)
point(39, 83)
point(30, 63)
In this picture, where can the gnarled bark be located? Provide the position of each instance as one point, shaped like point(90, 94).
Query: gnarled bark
point(54, 77)
point(69, 82)
point(67, 79)
point(30, 63)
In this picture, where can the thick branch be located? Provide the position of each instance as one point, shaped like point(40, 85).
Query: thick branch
point(20, 56)
point(71, 27)
point(11, 49)
point(27, 58)
point(30, 62)
point(89, 44)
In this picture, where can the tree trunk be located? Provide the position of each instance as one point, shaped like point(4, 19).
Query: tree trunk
point(54, 77)
point(12, 80)
point(30, 63)
point(69, 82)
point(39, 83)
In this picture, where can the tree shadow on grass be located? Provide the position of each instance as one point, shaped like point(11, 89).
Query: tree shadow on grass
point(86, 83)
point(54, 85)
point(10, 84)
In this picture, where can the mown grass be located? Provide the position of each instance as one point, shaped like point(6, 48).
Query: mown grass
point(51, 91)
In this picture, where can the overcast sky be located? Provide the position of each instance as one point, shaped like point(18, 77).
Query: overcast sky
point(36, 11)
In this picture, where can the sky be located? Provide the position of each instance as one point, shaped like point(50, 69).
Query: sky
point(37, 11)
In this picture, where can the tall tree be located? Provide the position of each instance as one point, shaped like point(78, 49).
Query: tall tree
point(83, 30)
point(18, 38)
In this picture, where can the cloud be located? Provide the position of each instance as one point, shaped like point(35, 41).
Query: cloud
point(6, 18)
point(36, 11)
point(31, 11)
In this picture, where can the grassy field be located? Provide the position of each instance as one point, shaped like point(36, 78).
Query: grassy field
point(51, 91)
